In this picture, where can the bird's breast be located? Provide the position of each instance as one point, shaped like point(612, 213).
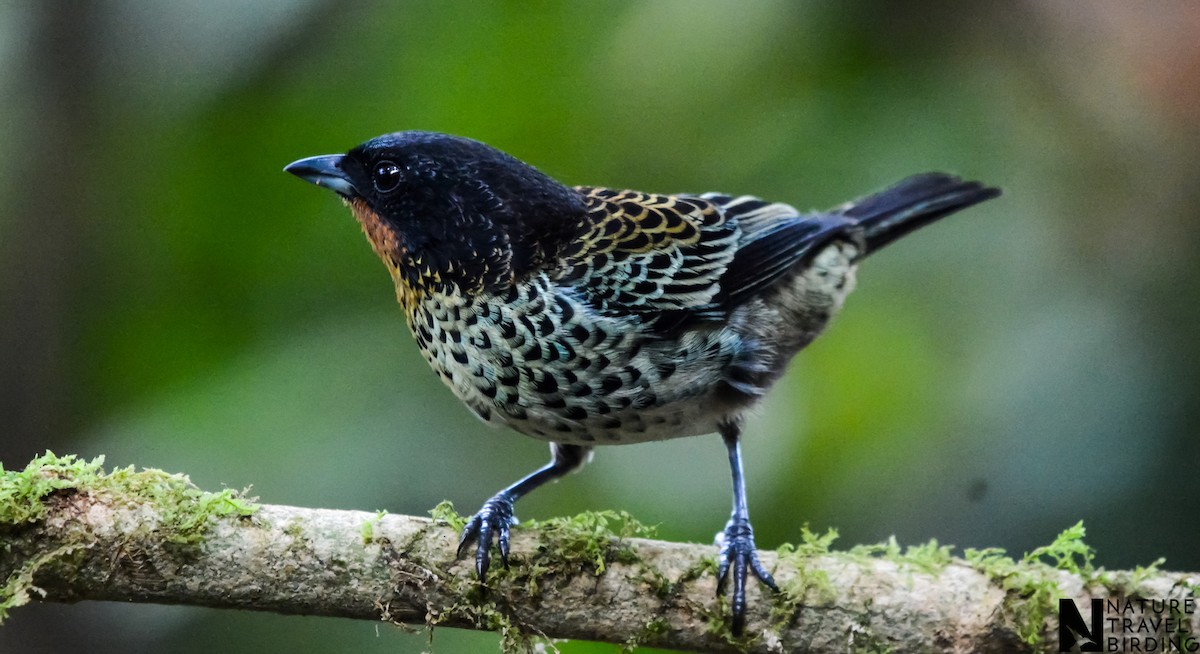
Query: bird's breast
point(539, 359)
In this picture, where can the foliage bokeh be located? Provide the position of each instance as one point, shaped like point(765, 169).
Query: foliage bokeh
point(170, 298)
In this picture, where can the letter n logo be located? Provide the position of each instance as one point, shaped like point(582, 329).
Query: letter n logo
point(1072, 632)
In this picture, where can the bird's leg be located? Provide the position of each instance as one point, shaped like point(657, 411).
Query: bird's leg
point(496, 515)
point(737, 542)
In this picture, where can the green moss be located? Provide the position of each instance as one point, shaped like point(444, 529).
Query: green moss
point(650, 633)
point(812, 543)
point(485, 607)
point(655, 629)
point(1031, 590)
point(930, 557)
point(486, 611)
point(662, 587)
point(705, 565)
point(487, 615)
point(1142, 573)
point(585, 543)
point(809, 585)
point(22, 492)
point(1031, 583)
point(889, 549)
point(294, 528)
point(16, 590)
point(1067, 552)
point(444, 512)
point(368, 527)
point(184, 511)
point(717, 623)
point(591, 539)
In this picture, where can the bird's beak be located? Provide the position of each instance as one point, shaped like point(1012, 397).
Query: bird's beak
point(324, 171)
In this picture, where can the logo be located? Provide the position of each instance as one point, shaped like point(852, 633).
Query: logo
point(1128, 625)
point(1074, 635)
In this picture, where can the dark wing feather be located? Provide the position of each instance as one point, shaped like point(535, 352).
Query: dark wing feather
point(648, 253)
point(675, 259)
point(775, 237)
point(774, 251)
point(678, 259)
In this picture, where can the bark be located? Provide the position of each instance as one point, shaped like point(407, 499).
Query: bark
point(568, 579)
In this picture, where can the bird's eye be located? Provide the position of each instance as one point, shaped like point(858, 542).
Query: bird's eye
point(387, 176)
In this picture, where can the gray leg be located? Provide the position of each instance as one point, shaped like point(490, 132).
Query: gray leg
point(496, 515)
point(737, 548)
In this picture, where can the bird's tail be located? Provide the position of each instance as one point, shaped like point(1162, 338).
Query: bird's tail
point(913, 203)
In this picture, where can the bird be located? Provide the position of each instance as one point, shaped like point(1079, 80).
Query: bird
point(586, 316)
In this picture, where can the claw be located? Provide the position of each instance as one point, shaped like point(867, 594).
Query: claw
point(737, 553)
point(502, 541)
point(495, 517)
point(470, 531)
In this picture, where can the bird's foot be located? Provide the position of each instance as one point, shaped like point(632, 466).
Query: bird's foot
point(493, 519)
point(737, 554)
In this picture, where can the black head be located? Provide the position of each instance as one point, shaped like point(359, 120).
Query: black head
point(449, 214)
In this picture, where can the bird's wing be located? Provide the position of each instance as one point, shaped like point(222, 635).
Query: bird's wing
point(775, 237)
point(677, 258)
point(650, 253)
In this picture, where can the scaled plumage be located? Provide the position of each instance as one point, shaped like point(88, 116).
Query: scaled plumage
point(588, 316)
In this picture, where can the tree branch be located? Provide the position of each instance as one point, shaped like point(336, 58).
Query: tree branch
point(70, 531)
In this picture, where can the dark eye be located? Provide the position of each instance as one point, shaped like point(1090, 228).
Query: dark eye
point(387, 176)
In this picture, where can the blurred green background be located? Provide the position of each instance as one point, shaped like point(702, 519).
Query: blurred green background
point(170, 298)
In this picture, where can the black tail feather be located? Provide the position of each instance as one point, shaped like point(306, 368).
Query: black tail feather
point(913, 203)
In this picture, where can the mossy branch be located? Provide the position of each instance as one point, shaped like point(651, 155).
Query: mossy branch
point(70, 531)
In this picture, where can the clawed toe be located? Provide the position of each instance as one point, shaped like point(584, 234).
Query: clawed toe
point(737, 554)
point(493, 520)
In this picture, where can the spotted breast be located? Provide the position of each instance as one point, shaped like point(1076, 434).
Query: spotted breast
point(608, 347)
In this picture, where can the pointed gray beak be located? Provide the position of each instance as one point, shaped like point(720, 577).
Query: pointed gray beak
point(324, 171)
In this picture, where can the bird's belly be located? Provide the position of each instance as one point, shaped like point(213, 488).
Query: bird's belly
point(546, 367)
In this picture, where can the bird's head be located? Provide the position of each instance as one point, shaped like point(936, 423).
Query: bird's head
point(447, 214)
